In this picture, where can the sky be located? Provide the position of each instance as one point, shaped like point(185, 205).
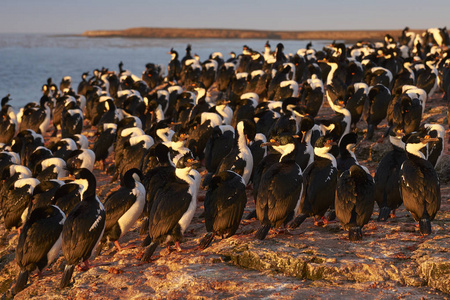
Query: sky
point(77, 16)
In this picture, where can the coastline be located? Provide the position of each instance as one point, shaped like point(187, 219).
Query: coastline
point(169, 33)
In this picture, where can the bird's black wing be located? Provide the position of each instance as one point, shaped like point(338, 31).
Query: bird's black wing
point(224, 205)
point(280, 190)
point(39, 234)
point(169, 206)
point(82, 229)
point(116, 204)
point(345, 202)
point(364, 208)
point(412, 187)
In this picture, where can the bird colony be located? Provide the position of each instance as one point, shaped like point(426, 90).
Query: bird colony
point(245, 125)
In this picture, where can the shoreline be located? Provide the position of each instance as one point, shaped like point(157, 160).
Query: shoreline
point(175, 33)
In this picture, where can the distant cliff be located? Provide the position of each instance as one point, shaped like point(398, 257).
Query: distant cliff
point(145, 32)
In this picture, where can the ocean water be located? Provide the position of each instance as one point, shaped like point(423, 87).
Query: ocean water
point(27, 60)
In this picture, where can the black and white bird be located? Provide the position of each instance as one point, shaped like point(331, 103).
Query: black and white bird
point(387, 176)
point(407, 112)
point(104, 145)
point(258, 151)
point(341, 122)
point(39, 242)
point(38, 155)
point(379, 75)
point(124, 206)
point(240, 159)
point(16, 200)
point(335, 85)
point(379, 99)
point(224, 203)
point(50, 168)
point(355, 101)
point(225, 75)
point(81, 141)
point(218, 146)
point(416, 92)
point(81, 158)
point(8, 122)
point(57, 109)
point(223, 110)
point(83, 228)
point(71, 119)
point(35, 117)
point(309, 134)
point(173, 208)
point(43, 193)
point(67, 196)
point(435, 149)
point(427, 79)
point(65, 84)
point(24, 143)
point(354, 200)
point(7, 159)
point(320, 179)
point(347, 156)
point(11, 172)
point(133, 151)
point(419, 183)
point(162, 173)
point(174, 66)
point(312, 94)
point(280, 188)
point(63, 148)
point(111, 113)
point(245, 108)
point(84, 85)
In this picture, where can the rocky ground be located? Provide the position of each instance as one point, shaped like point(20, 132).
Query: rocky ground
point(393, 261)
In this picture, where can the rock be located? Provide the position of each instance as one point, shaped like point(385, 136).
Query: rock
point(378, 150)
point(411, 278)
point(437, 274)
point(434, 265)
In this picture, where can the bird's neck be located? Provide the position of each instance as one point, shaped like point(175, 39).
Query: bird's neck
point(163, 134)
point(287, 151)
point(323, 153)
point(414, 149)
point(432, 67)
point(183, 174)
point(334, 67)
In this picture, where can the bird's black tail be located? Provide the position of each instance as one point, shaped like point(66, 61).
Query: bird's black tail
point(251, 215)
point(67, 276)
point(206, 240)
point(355, 233)
point(262, 232)
point(384, 214)
point(425, 226)
point(144, 227)
point(370, 132)
point(21, 282)
point(298, 221)
point(149, 252)
point(146, 241)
